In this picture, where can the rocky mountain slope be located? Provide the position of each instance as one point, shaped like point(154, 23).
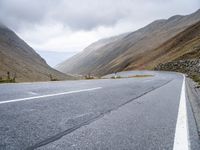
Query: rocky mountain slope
point(20, 60)
point(181, 53)
point(184, 46)
point(132, 51)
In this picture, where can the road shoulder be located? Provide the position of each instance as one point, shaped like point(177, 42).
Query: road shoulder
point(193, 94)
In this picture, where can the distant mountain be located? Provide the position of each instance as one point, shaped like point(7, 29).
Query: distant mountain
point(53, 58)
point(92, 52)
point(130, 51)
point(21, 60)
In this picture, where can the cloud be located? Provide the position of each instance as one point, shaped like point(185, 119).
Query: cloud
point(71, 25)
point(85, 14)
point(57, 37)
point(77, 14)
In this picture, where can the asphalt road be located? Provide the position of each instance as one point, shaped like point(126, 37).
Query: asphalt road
point(127, 113)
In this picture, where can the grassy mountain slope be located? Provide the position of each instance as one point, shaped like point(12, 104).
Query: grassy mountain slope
point(83, 62)
point(130, 51)
point(185, 45)
point(180, 54)
point(21, 60)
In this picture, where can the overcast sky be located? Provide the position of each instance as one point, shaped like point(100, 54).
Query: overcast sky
point(71, 25)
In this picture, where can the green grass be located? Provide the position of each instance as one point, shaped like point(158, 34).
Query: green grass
point(135, 76)
point(196, 78)
point(117, 77)
point(140, 76)
point(89, 77)
point(7, 81)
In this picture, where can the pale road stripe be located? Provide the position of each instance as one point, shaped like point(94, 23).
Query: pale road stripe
point(32, 93)
point(48, 95)
point(181, 140)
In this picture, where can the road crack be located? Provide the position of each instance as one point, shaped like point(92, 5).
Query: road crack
point(89, 121)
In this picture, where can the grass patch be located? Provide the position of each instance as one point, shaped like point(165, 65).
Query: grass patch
point(7, 81)
point(134, 76)
point(117, 77)
point(196, 78)
point(90, 77)
point(140, 76)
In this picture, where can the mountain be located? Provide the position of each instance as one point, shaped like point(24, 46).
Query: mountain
point(20, 60)
point(91, 52)
point(181, 53)
point(53, 57)
point(127, 52)
point(183, 46)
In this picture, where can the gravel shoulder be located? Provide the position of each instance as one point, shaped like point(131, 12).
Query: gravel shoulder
point(193, 94)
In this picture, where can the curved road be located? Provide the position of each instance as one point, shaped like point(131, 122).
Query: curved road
point(151, 113)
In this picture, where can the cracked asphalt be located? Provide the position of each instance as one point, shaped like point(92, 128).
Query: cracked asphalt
point(126, 113)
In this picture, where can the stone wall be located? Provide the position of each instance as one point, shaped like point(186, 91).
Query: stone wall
point(188, 66)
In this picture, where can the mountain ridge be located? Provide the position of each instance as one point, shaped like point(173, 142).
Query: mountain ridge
point(120, 54)
point(21, 61)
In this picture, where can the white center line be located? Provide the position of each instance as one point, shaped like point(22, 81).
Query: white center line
point(181, 140)
point(49, 95)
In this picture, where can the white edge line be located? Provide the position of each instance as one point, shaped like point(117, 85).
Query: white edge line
point(181, 139)
point(48, 95)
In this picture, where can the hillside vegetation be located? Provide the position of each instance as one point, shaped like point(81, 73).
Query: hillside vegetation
point(142, 49)
point(183, 53)
point(21, 62)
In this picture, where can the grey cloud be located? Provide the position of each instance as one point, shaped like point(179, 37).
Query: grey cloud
point(16, 13)
point(85, 14)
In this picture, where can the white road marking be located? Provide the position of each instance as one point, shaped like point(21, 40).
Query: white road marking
point(32, 93)
point(181, 140)
point(49, 95)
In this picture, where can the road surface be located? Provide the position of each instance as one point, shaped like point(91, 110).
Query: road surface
point(151, 113)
